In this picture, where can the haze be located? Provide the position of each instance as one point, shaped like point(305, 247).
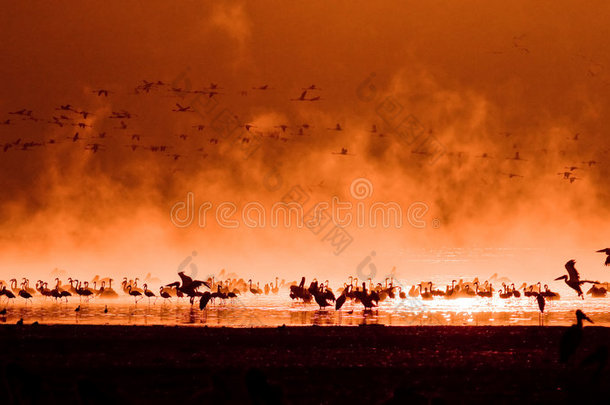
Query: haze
point(484, 81)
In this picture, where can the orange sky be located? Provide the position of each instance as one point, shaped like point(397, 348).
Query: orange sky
point(480, 77)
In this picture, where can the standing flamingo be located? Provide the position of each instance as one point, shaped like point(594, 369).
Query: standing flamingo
point(137, 295)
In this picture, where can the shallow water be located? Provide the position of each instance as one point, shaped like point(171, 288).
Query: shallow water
point(275, 310)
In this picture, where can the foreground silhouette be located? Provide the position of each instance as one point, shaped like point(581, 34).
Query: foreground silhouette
point(572, 337)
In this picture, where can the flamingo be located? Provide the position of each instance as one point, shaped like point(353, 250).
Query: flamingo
point(149, 293)
point(24, 294)
point(164, 294)
point(108, 292)
point(254, 290)
point(84, 292)
point(7, 293)
point(135, 294)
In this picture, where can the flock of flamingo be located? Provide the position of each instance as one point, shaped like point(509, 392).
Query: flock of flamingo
point(365, 292)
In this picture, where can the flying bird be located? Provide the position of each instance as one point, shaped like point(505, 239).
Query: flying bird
point(343, 152)
point(607, 252)
point(101, 92)
point(573, 278)
point(182, 109)
point(301, 97)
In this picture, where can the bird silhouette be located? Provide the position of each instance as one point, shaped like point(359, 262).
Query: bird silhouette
point(572, 337)
point(180, 108)
point(573, 278)
point(607, 252)
point(541, 304)
point(301, 97)
point(341, 300)
point(205, 298)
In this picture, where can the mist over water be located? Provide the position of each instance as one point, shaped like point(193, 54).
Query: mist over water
point(478, 93)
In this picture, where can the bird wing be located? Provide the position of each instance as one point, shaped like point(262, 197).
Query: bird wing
point(186, 280)
point(572, 272)
point(199, 283)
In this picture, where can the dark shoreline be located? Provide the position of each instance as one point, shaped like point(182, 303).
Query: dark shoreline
point(154, 364)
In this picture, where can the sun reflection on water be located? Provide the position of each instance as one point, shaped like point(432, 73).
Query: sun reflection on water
point(271, 310)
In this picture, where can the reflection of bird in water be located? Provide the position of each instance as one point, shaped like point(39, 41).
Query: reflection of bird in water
point(607, 252)
point(572, 337)
point(573, 278)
